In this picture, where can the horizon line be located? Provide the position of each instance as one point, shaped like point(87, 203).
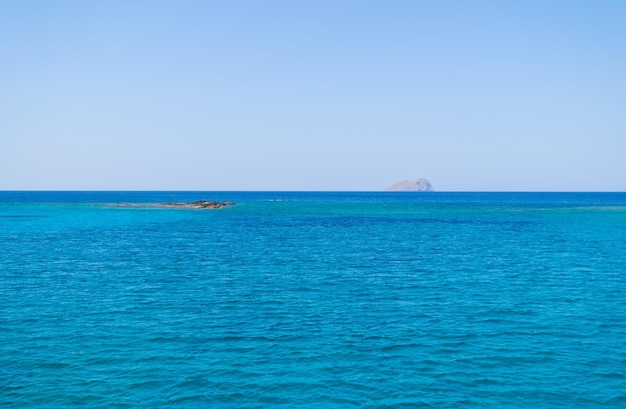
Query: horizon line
point(312, 191)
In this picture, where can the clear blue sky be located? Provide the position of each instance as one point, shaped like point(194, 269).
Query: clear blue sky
point(312, 95)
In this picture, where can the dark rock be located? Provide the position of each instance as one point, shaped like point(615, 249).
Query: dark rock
point(199, 204)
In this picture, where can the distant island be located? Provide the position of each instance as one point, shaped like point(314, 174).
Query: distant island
point(415, 185)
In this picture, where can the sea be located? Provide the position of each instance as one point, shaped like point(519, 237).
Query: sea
point(313, 300)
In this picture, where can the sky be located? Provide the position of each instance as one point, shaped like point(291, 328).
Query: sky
point(312, 95)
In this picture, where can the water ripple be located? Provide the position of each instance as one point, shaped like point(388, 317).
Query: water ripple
point(317, 304)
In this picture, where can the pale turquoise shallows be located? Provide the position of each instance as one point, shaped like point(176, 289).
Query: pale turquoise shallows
point(294, 300)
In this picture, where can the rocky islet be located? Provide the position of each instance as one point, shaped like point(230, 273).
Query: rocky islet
point(199, 204)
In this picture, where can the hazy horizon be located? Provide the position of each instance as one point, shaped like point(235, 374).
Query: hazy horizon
point(321, 96)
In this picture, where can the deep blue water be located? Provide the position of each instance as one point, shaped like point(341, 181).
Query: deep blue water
point(349, 300)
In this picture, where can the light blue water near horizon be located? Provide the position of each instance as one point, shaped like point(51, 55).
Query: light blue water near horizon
point(313, 299)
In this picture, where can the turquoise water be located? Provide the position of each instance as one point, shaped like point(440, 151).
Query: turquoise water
point(294, 300)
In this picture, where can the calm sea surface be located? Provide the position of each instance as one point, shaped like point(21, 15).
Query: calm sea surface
point(294, 300)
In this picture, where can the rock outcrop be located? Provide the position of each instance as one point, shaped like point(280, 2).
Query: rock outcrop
point(415, 185)
point(200, 204)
